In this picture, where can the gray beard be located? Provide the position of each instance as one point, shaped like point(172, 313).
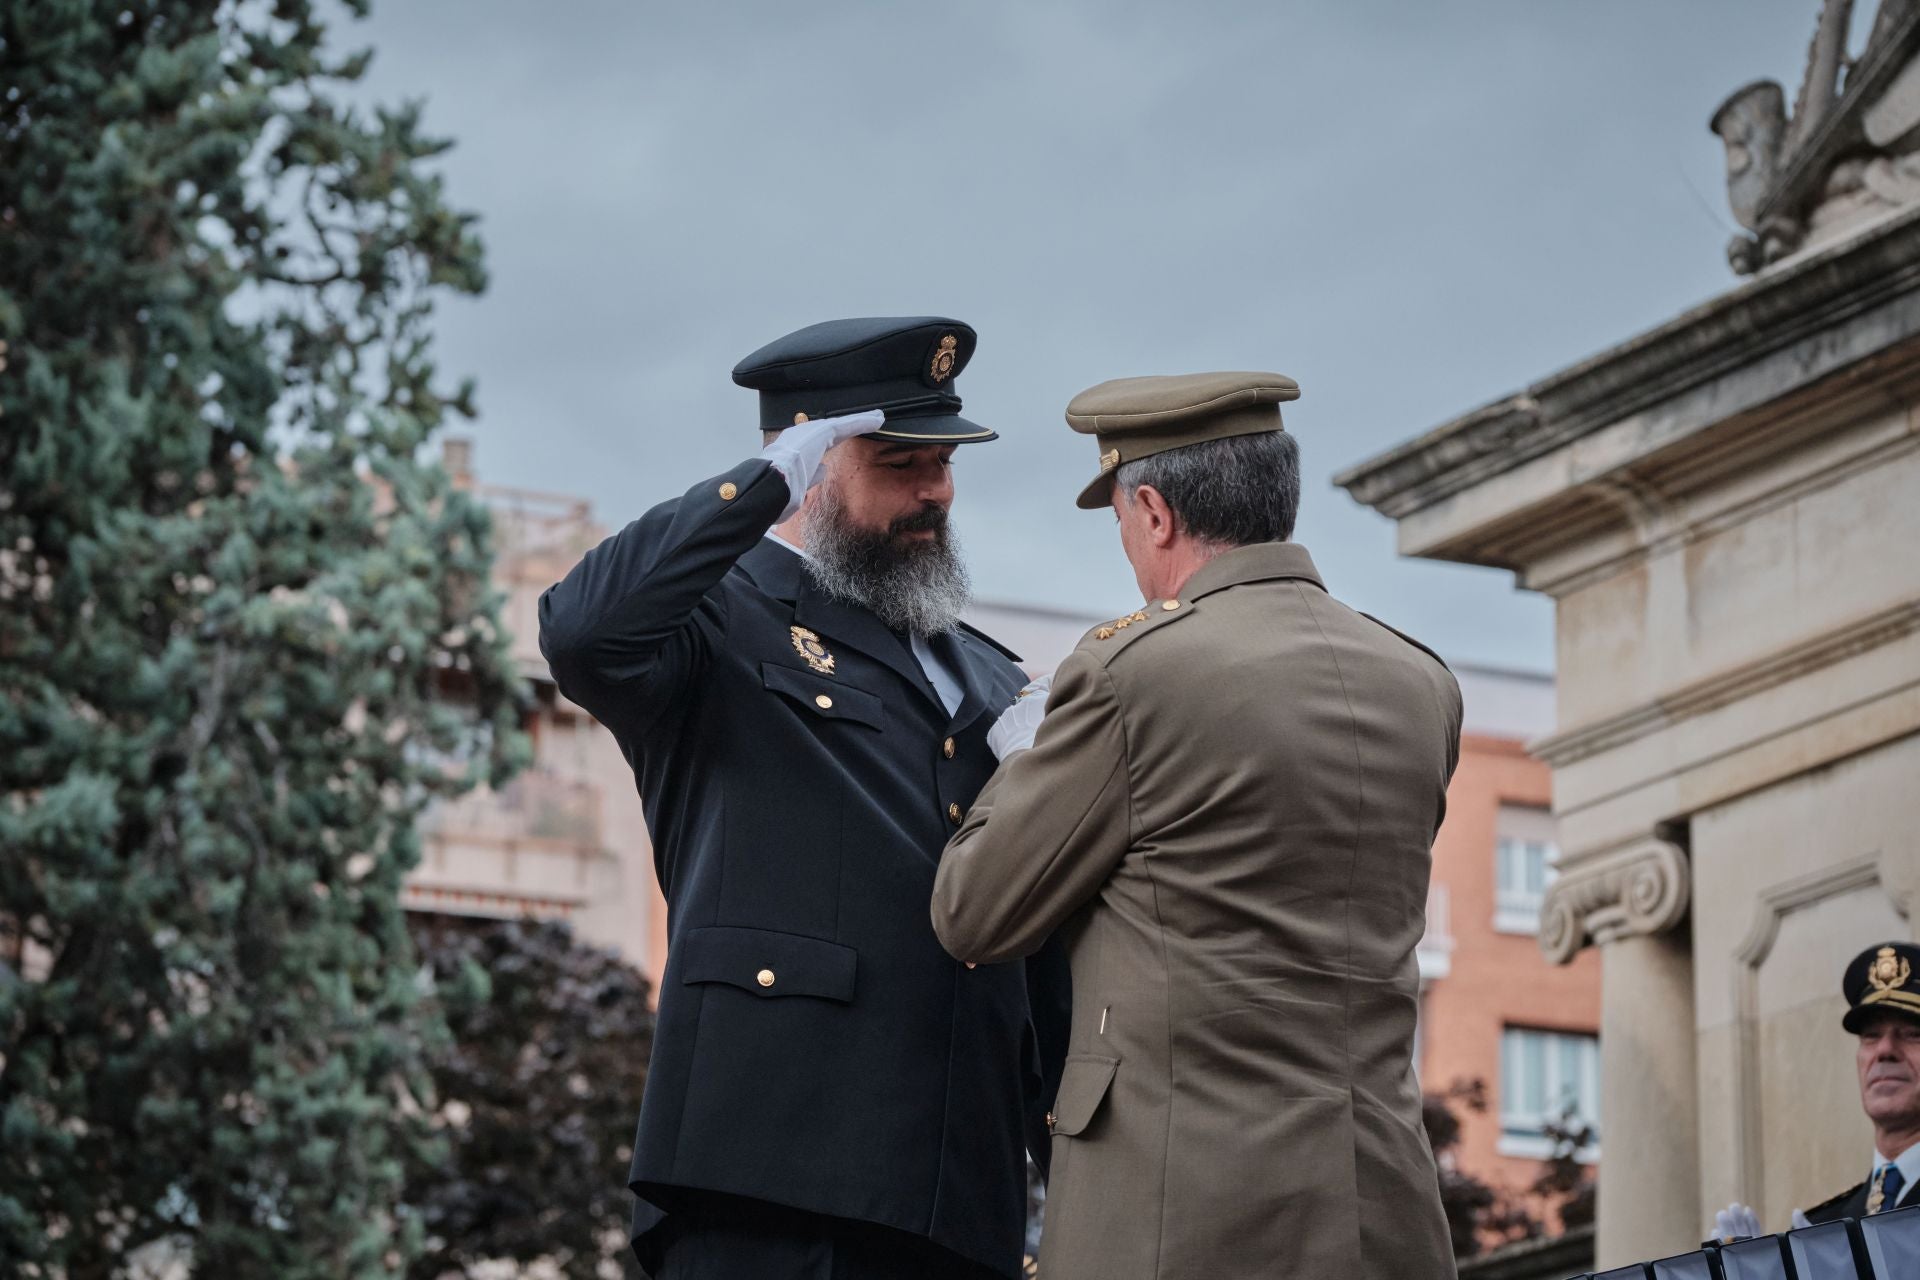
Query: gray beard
point(912, 586)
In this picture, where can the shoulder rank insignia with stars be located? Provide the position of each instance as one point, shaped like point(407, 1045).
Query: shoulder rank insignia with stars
point(807, 644)
point(1114, 628)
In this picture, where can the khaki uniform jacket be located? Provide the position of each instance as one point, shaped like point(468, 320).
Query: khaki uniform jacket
point(1229, 813)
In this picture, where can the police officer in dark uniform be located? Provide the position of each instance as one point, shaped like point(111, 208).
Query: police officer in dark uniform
point(1883, 997)
point(777, 652)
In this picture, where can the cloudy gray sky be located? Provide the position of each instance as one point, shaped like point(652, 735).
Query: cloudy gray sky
point(1412, 208)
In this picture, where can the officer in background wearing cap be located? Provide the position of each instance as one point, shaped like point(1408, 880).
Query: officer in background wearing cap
point(780, 656)
point(1228, 811)
point(1883, 997)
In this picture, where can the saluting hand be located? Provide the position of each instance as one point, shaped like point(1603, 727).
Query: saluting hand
point(800, 452)
point(1015, 728)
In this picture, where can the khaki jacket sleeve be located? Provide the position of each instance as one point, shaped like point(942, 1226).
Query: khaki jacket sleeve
point(1046, 831)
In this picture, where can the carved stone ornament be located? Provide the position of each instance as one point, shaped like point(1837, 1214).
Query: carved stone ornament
point(1849, 150)
point(1636, 889)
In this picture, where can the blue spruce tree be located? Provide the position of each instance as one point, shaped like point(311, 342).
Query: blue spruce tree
point(245, 635)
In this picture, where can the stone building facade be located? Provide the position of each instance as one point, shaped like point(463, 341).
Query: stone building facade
point(1724, 510)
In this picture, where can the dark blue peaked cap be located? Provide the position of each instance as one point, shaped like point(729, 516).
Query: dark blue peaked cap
point(1886, 976)
point(905, 366)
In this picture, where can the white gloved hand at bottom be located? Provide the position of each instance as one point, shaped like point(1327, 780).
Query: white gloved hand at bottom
point(1015, 728)
point(1800, 1220)
point(1735, 1222)
point(800, 452)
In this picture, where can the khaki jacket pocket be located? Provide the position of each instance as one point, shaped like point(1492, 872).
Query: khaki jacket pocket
point(1083, 1087)
point(822, 697)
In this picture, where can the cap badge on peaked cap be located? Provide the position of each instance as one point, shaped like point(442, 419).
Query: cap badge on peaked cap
point(1889, 970)
point(945, 352)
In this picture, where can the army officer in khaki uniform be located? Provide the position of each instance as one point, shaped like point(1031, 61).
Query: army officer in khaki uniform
point(1228, 812)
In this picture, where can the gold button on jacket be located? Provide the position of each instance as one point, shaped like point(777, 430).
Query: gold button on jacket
point(946, 748)
point(764, 977)
point(729, 491)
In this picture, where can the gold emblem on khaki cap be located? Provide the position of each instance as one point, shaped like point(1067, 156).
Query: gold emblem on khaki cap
point(1134, 418)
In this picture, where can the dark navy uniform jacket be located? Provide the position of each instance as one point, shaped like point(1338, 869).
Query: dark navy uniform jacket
point(816, 1046)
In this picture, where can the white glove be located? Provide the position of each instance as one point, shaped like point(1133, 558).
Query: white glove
point(800, 453)
point(1735, 1222)
point(1800, 1220)
point(1015, 728)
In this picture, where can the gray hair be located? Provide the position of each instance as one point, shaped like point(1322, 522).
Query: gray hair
point(1227, 492)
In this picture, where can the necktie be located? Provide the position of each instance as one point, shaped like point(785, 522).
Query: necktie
point(1886, 1188)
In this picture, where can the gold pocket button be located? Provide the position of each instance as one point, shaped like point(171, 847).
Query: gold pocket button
point(823, 702)
point(1171, 605)
point(728, 492)
point(764, 977)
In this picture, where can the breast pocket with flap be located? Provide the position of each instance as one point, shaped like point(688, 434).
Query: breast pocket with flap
point(822, 697)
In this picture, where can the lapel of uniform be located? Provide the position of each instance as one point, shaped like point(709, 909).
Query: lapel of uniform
point(859, 629)
point(961, 654)
point(779, 571)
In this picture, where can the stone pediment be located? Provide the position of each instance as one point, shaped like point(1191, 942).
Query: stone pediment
point(1848, 153)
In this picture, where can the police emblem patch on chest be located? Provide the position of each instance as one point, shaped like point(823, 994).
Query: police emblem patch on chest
point(807, 645)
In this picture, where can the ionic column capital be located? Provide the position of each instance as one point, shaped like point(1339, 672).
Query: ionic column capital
point(1634, 889)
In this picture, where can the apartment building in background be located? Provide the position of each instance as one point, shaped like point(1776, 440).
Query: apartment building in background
point(1492, 1007)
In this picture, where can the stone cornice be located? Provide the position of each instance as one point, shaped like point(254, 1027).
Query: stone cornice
point(1639, 888)
point(1799, 299)
point(1812, 654)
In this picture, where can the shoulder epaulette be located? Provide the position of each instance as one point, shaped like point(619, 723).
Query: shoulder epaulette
point(1110, 637)
point(1108, 630)
point(1404, 636)
point(1834, 1202)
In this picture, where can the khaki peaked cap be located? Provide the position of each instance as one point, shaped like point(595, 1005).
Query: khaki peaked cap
point(1133, 418)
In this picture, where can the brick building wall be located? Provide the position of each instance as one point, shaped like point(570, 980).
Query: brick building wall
point(1492, 1008)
